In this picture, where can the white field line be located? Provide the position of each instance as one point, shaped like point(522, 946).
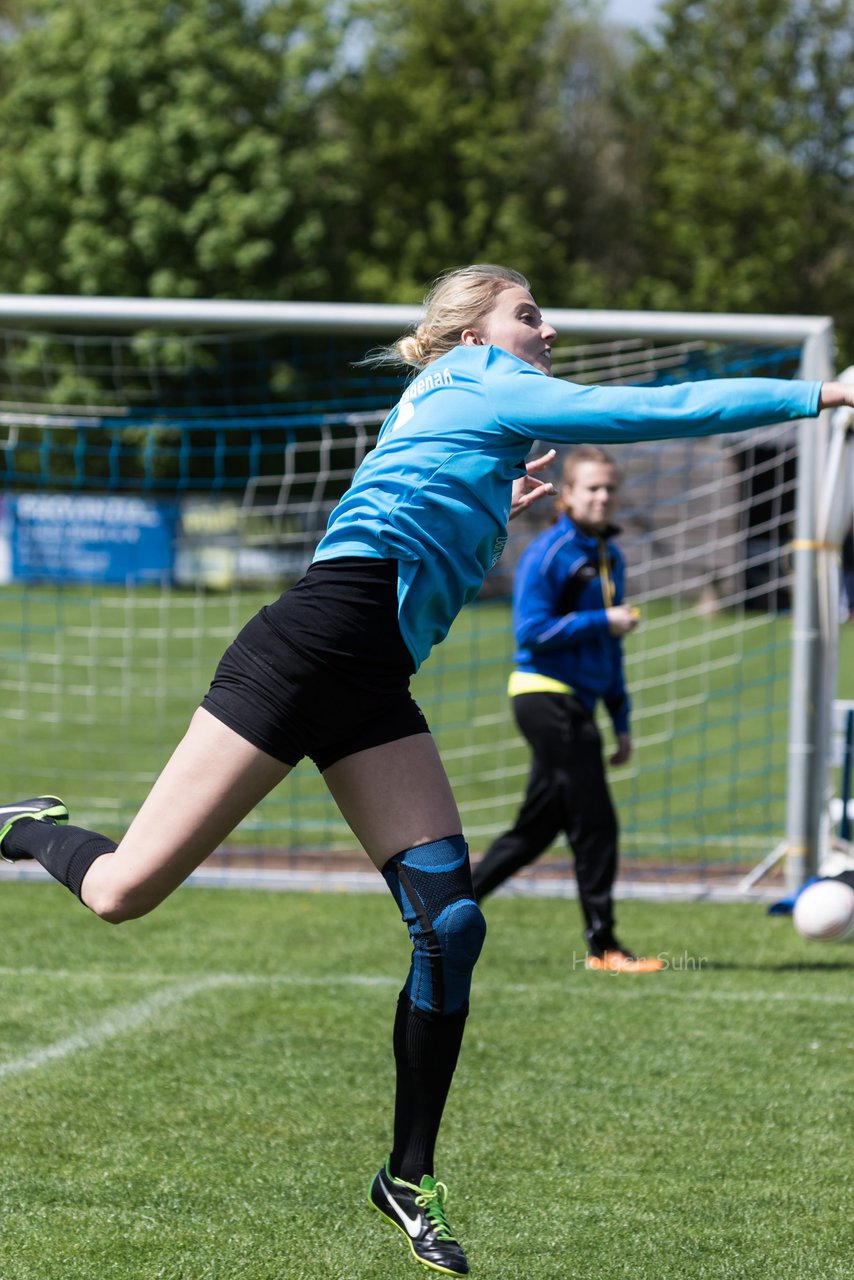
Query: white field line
point(133, 1016)
point(117, 1023)
point(617, 984)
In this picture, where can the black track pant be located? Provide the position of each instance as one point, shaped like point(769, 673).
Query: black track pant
point(567, 792)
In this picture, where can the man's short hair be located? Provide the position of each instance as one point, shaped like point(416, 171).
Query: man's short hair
point(584, 453)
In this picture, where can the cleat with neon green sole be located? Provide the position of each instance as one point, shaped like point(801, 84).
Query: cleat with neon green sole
point(419, 1212)
point(41, 808)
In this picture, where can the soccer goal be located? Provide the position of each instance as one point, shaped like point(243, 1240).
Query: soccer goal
point(167, 467)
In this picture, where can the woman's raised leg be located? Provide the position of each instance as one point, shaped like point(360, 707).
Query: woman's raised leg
point(213, 779)
point(211, 782)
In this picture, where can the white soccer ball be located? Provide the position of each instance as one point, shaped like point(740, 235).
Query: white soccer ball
point(824, 912)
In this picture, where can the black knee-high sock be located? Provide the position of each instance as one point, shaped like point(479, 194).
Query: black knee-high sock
point(426, 1048)
point(66, 852)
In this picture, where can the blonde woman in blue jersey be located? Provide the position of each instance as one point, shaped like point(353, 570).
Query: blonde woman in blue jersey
point(324, 671)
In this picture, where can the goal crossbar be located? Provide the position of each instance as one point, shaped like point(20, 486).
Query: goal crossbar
point(381, 318)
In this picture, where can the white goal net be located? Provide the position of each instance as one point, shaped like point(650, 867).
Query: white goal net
point(162, 480)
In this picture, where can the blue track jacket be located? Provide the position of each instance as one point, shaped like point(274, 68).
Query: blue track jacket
point(435, 492)
point(559, 616)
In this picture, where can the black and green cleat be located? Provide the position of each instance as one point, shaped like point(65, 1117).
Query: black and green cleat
point(419, 1212)
point(42, 809)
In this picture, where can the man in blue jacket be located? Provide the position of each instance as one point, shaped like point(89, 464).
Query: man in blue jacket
point(569, 620)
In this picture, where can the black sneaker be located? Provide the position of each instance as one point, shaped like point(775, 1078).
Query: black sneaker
point(602, 940)
point(606, 954)
point(419, 1212)
point(43, 808)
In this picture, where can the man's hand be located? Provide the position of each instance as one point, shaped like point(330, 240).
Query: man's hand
point(624, 749)
point(528, 489)
point(622, 618)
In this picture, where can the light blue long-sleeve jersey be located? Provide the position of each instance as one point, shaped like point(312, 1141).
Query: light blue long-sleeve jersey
point(435, 492)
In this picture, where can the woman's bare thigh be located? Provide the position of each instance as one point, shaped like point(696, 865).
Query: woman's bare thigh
point(395, 796)
point(212, 781)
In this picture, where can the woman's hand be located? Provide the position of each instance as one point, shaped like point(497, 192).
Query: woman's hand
point(834, 395)
point(528, 489)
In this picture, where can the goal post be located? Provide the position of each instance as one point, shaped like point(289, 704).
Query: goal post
point(812, 648)
point(227, 430)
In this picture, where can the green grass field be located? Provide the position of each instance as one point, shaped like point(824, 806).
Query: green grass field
point(96, 687)
point(204, 1095)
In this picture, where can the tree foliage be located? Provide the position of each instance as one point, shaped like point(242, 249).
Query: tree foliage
point(170, 148)
point(301, 147)
point(742, 113)
point(354, 148)
point(484, 129)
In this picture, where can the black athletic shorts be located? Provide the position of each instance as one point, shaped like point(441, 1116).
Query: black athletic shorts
point(324, 671)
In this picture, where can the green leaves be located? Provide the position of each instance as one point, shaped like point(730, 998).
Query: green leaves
point(354, 148)
point(744, 119)
point(146, 150)
point(461, 109)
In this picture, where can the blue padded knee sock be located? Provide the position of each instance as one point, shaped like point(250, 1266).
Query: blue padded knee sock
point(432, 887)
